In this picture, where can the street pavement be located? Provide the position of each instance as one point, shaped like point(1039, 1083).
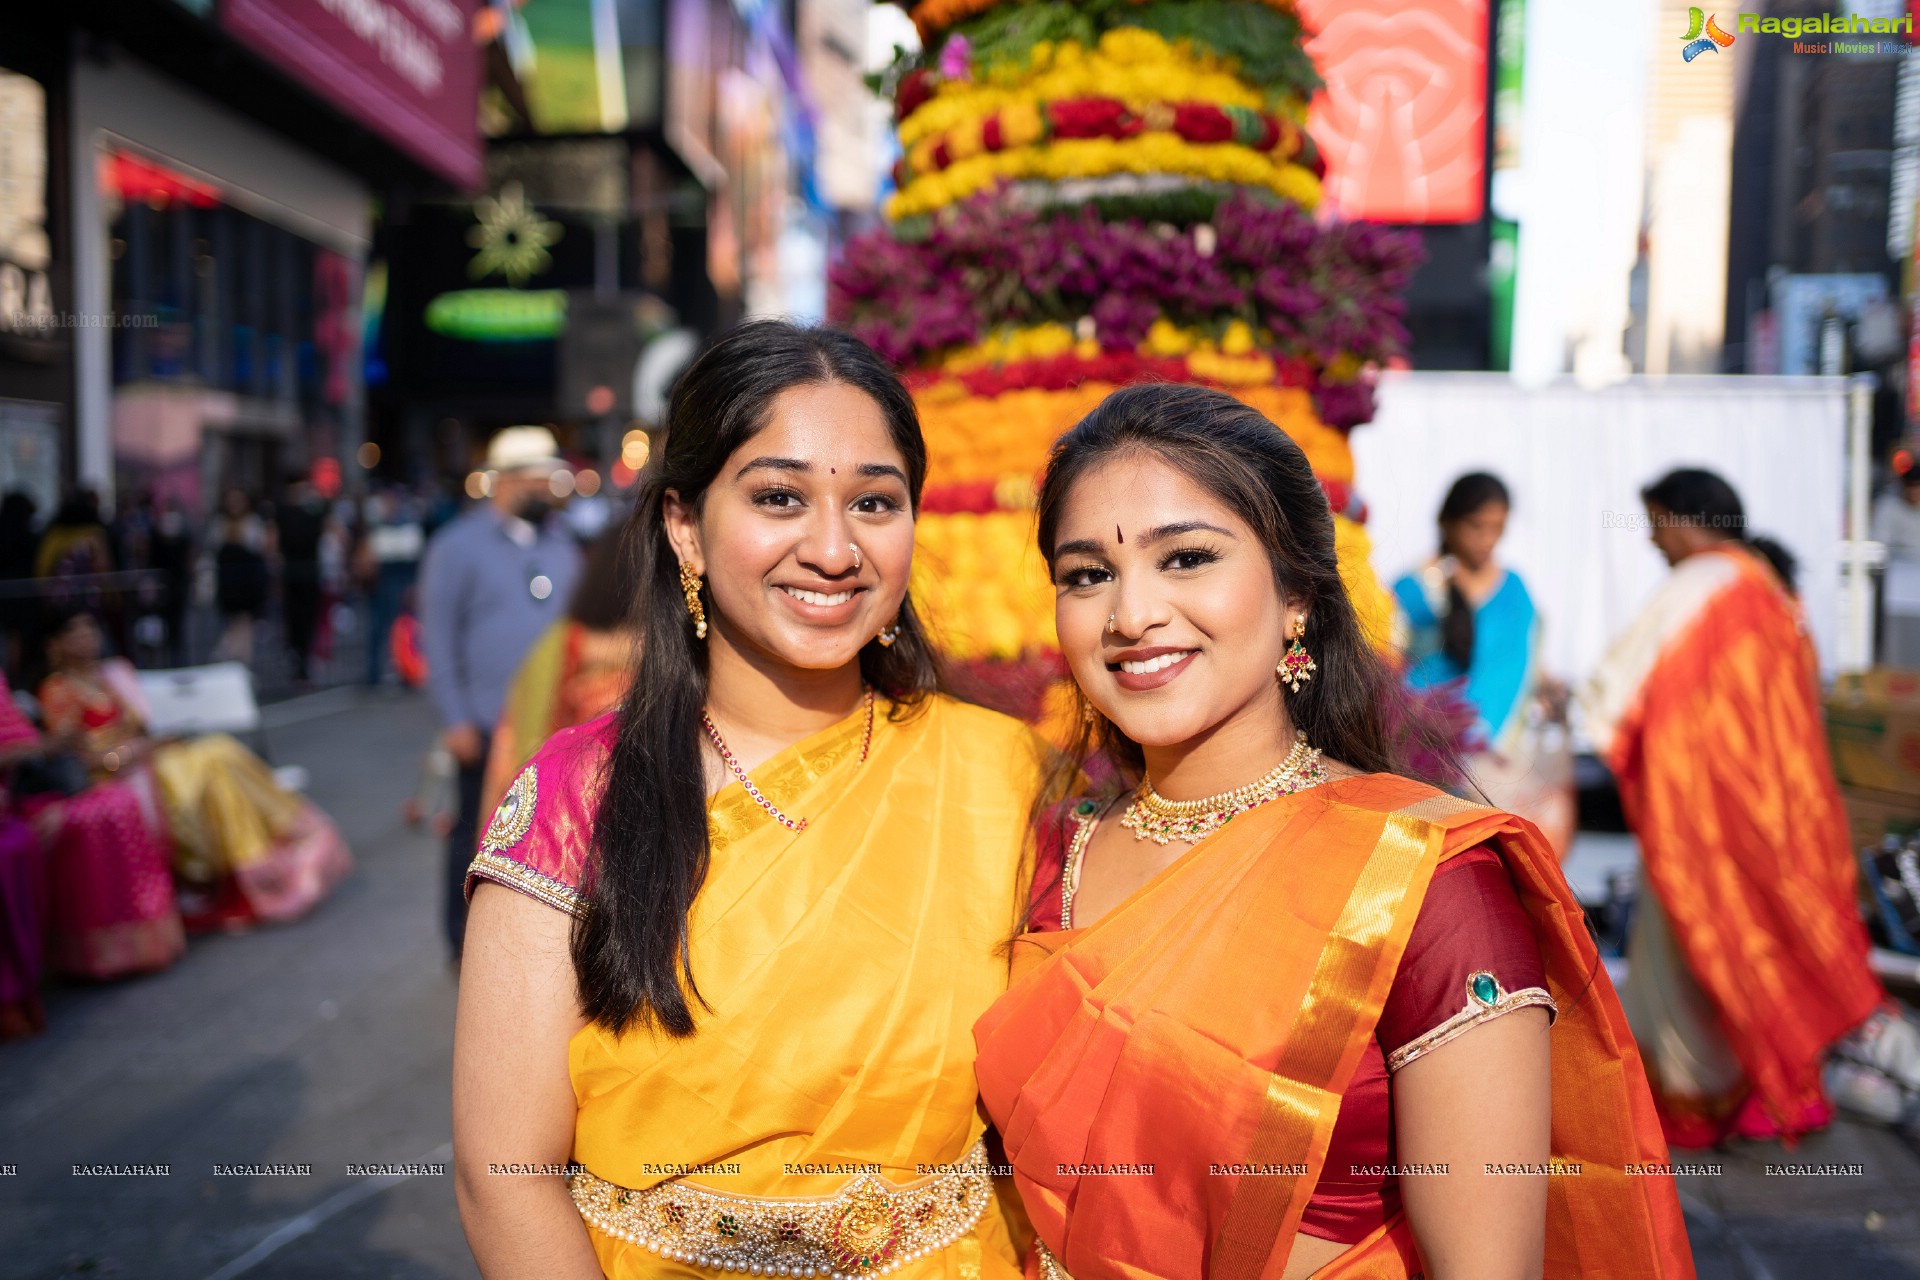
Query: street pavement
point(327, 1043)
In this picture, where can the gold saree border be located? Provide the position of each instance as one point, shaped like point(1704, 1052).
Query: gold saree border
point(734, 815)
point(1299, 1090)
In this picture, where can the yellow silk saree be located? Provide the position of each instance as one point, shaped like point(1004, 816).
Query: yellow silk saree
point(824, 1114)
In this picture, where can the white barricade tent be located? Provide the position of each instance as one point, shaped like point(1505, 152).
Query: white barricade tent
point(1575, 460)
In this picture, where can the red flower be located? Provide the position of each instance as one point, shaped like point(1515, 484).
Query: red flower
point(974, 496)
point(1202, 122)
point(1092, 118)
point(916, 87)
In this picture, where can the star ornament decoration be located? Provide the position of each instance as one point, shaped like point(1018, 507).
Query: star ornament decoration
point(512, 238)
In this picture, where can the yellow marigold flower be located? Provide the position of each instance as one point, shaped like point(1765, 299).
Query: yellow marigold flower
point(1232, 371)
point(1164, 338)
point(1020, 124)
point(1042, 341)
point(1096, 157)
point(1016, 492)
point(963, 140)
point(1354, 551)
point(1238, 340)
point(1135, 44)
point(1298, 185)
point(920, 155)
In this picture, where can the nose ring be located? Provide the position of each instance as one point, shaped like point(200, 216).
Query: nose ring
point(1110, 618)
point(855, 548)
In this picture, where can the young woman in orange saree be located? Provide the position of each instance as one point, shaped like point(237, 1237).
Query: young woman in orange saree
point(1284, 1013)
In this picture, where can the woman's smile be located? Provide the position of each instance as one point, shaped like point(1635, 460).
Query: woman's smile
point(1138, 670)
point(828, 607)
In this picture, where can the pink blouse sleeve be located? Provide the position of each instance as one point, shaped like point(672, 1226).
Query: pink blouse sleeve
point(540, 839)
point(1473, 956)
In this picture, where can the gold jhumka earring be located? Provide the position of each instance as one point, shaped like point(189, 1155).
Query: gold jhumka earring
point(690, 586)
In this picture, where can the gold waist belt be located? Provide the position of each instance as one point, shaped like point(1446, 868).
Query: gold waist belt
point(867, 1228)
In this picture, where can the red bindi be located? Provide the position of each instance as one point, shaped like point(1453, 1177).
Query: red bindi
point(1121, 536)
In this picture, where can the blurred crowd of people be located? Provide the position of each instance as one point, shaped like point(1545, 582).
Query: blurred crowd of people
point(116, 842)
point(172, 590)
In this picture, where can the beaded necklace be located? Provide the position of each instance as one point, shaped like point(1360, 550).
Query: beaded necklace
point(733, 765)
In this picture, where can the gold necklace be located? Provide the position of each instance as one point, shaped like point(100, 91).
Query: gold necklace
point(1151, 816)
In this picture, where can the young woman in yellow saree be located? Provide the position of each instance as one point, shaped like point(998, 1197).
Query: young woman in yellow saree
point(1280, 1012)
point(727, 943)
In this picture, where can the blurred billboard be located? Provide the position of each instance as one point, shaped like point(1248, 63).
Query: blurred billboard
point(1402, 121)
point(408, 72)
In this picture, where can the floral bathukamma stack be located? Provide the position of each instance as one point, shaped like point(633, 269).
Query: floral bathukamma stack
point(1094, 193)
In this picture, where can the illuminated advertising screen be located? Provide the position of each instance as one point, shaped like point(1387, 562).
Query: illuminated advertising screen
point(1402, 120)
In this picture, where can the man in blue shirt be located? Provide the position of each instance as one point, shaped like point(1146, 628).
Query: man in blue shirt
point(493, 580)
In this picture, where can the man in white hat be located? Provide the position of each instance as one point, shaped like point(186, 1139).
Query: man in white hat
point(493, 580)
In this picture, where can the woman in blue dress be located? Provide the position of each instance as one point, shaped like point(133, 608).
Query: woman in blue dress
point(1470, 621)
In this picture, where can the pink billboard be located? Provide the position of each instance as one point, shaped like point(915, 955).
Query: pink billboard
point(409, 70)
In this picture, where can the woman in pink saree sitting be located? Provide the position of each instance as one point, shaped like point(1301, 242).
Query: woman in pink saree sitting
point(110, 903)
point(243, 845)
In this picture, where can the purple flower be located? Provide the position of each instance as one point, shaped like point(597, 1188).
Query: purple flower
point(1324, 291)
point(956, 57)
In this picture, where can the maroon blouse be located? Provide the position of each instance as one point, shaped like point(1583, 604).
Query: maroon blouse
point(1470, 921)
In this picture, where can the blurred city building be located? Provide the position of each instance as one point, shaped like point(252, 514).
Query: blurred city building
point(210, 176)
point(1819, 246)
point(656, 170)
point(240, 238)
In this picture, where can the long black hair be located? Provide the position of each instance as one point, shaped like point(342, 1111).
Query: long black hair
point(1470, 494)
point(650, 847)
point(1701, 497)
point(1245, 461)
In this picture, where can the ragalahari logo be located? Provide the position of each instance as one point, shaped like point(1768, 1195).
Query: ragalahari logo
point(1703, 35)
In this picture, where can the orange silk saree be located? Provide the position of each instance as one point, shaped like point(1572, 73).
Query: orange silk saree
point(1214, 1018)
point(1707, 711)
